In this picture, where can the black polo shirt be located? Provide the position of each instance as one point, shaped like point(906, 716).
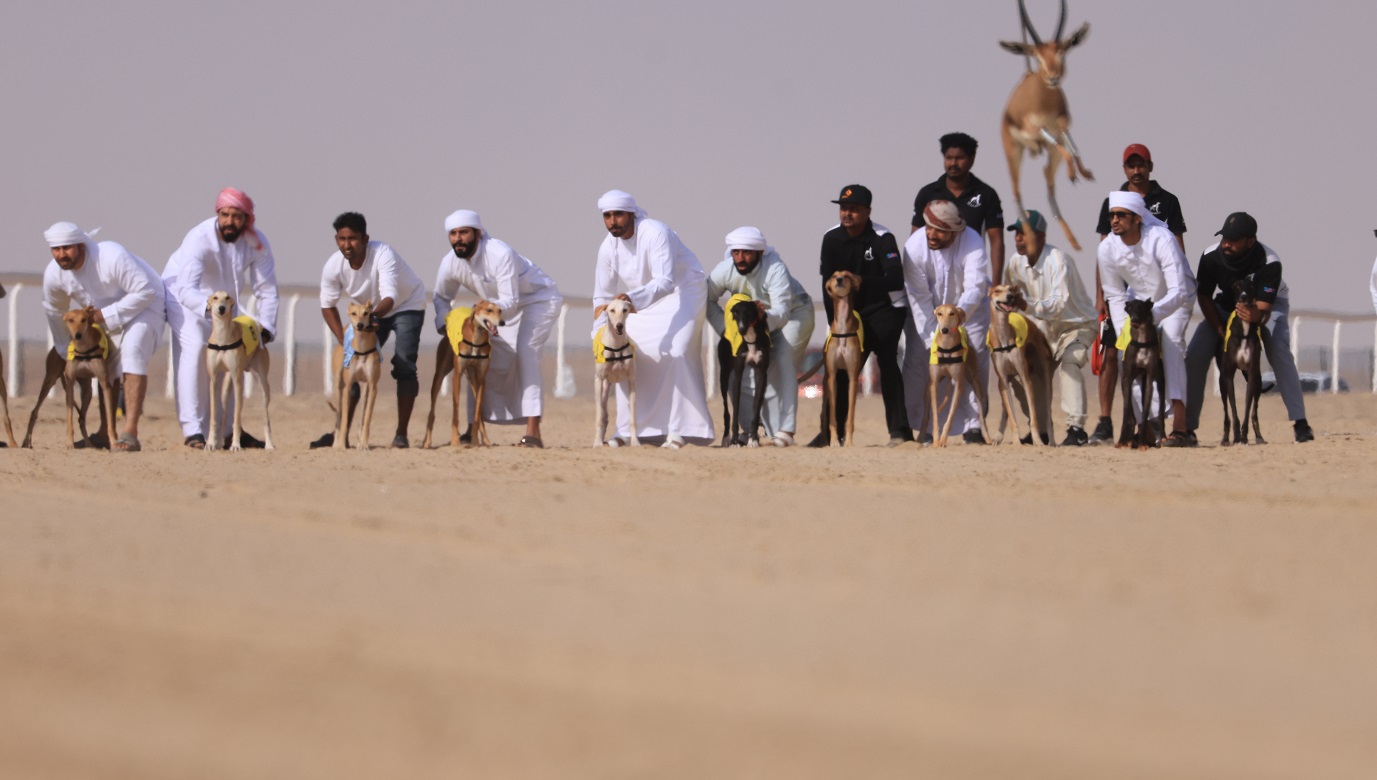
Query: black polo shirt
point(1161, 203)
point(872, 256)
point(1216, 272)
point(979, 204)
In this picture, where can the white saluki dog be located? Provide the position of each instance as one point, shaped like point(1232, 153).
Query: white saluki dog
point(228, 350)
point(616, 362)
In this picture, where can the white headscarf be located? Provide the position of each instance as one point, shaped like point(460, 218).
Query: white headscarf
point(1134, 202)
point(67, 234)
point(746, 238)
point(463, 218)
point(617, 200)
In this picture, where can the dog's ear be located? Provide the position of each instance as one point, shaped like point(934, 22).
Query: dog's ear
point(960, 315)
point(630, 307)
point(854, 279)
point(598, 310)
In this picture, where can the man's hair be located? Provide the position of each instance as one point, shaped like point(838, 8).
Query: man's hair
point(352, 220)
point(961, 141)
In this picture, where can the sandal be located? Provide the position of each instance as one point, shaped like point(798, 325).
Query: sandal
point(1176, 439)
point(530, 442)
point(127, 442)
point(674, 442)
point(195, 441)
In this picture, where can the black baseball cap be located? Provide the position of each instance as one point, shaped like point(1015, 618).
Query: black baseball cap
point(854, 193)
point(1238, 225)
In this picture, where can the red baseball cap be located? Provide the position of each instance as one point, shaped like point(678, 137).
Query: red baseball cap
point(1138, 149)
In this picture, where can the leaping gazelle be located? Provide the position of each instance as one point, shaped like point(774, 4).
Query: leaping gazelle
point(1037, 118)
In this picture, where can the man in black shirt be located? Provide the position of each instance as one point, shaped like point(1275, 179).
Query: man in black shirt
point(977, 201)
point(1239, 255)
point(871, 252)
point(1166, 207)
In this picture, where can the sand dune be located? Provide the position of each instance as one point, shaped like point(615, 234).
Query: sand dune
point(873, 612)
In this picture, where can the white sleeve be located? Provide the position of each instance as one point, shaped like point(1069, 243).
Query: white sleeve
point(1051, 307)
point(388, 270)
point(976, 285)
point(919, 294)
point(604, 281)
point(446, 287)
point(128, 274)
point(330, 288)
point(263, 282)
point(781, 297)
point(505, 270)
point(660, 255)
point(1113, 284)
point(56, 302)
point(717, 318)
point(190, 259)
point(1180, 281)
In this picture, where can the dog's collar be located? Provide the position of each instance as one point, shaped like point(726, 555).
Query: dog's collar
point(1006, 348)
point(1140, 344)
point(227, 347)
point(851, 335)
point(90, 354)
point(357, 353)
point(476, 355)
point(948, 355)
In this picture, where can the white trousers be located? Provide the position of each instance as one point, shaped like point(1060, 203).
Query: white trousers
point(1070, 342)
point(513, 389)
point(1171, 333)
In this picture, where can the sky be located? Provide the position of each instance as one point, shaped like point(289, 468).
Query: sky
point(131, 116)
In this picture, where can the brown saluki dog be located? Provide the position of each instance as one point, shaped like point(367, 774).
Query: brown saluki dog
point(842, 352)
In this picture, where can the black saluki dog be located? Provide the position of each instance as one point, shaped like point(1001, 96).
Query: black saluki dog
point(1241, 350)
point(1142, 364)
point(749, 351)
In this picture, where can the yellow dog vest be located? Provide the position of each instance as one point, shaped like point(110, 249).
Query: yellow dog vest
point(104, 344)
point(454, 325)
point(934, 355)
point(600, 356)
point(248, 331)
point(860, 334)
point(729, 329)
point(1020, 325)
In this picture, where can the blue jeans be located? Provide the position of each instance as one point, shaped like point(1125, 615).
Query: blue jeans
point(407, 325)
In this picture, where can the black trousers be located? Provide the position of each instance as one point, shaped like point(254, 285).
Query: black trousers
point(883, 329)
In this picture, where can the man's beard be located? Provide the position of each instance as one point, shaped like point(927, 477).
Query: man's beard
point(463, 250)
point(230, 234)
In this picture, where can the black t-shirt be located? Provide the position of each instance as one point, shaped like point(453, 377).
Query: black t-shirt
point(1217, 272)
point(871, 256)
point(979, 204)
point(1161, 203)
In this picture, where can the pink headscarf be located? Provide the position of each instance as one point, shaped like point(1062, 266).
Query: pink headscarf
point(236, 199)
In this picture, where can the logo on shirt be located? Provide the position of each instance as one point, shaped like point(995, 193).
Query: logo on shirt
point(974, 202)
point(1269, 290)
point(1156, 209)
point(869, 254)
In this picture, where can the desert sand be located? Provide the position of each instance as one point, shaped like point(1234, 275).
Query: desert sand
point(870, 612)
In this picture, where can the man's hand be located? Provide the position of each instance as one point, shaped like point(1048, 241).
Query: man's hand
point(624, 297)
point(1248, 312)
point(265, 335)
point(763, 311)
point(97, 316)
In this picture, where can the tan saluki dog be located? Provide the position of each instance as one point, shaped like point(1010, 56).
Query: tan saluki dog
point(227, 352)
point(365, 367)
point(616, 364)
point(954, 359)
point(91, 357)
point(842, 352)
point(1037, 118)
point(466, 357)
point(54, 371)
point(5, 396)
point(1019, 352)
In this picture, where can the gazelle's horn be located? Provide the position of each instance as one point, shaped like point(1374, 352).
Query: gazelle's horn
point(1028, 23)
point(1061, 25)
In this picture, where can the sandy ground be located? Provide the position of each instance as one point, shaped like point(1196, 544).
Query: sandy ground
point(975, 612)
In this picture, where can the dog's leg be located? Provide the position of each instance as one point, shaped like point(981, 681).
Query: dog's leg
point(1126, 371)
point(442, 369)
point(733, 432)
point(599, 408)
point(1146, 435)
point(480, 426)
point(631, 401)
point(342, 419)
point(237, 431)
point(5, 406)
point(934, 410)
point(1006, 404)
point(456, 387)
point(762, 371)
point(982, 396)
point(1255, 392)
point(371, 388)
point(53, 368)
point(108, 402)
point(829, 405)
point(1035, 421)
point(1226, 394)
point(853, 383)
point(71, 417)
point(215, 395)
point(726, 364)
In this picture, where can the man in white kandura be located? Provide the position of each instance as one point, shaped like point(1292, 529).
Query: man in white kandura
point(224, 253)
point(945, 263)
point(753, 268)
point(1062, 309)
point(128, 298)
point(643, 261)
point(365, 270)
point(1141, 259)
point(530, 303)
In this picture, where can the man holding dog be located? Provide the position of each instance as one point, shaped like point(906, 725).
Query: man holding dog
point(871, 252)
point(1239, 256)
point(128, 299)
point(365, 270)
point(1166, 207)
point(754, 268)
point(945, 263)
point(224, 253)
point(513, 392)
point(1142, 259)
point(1062, 309)
point(643, 261)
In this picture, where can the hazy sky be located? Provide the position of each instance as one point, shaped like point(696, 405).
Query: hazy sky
point(714, 114)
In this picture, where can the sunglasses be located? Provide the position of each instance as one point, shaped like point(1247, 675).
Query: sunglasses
point(1113, 215)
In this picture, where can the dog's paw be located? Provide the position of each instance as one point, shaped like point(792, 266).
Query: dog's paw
point(615, 443)
point(753, 443)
